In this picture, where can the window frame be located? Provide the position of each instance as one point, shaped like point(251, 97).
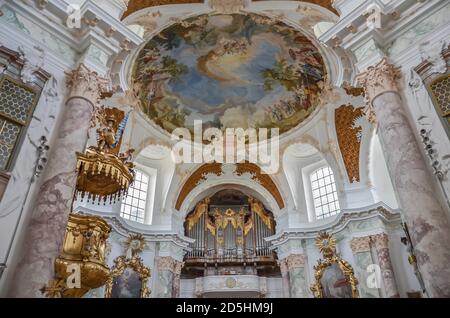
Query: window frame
point(146, 200)
point(307, 173)
point(23, 126)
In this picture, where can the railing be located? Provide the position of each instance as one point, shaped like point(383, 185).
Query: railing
point(230, 255)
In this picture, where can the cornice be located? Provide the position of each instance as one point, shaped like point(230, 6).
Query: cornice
point(338, 224)
point(109, 34)
point(396, 17)
point(151, 235)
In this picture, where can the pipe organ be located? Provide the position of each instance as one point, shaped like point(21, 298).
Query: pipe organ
point(230, 234)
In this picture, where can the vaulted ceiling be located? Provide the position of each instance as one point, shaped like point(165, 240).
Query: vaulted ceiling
point(136, 5)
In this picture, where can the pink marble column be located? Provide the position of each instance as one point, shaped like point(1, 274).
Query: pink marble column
point(384, 261)
point(424, 215)
point(284, 277)
point(45, 231)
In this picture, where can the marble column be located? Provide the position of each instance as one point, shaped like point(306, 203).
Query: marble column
point(295, 264)
point(284, 277)
point(363, 259)
point(176, 279)
point(427, 221)
point(166, 267)
point(384, 261)
point(44, 234)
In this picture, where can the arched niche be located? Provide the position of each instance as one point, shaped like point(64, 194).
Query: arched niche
point(299, 161)
point(215, 174)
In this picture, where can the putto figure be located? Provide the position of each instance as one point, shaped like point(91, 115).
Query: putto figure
point(106, 134)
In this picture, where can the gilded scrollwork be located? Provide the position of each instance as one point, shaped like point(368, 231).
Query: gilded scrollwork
point(326, 243)
point(84, 246)
point(121, 263)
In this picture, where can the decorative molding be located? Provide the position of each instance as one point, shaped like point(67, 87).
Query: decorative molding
point(195, 178)
point(165, 263)
point(295, 261)
point(222, 6)
point(124, 229)
point(32, 63)
point(338, 224)
point(351, 90)
point(381, 240)
point(230, 284)
point(434, 55)
point(136, 5)
point(264, 179)
point(360, 244)
point(426, 68)
point(168, 263)
point(349, 138)
point(228, 6)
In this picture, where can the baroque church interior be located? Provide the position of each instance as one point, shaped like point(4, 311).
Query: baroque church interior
point(224, 149)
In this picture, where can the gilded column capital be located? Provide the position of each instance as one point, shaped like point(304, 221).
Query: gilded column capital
point(360, 244)
point(295, 261)
point(381, 240)
point(87, 84)
point(376, 80)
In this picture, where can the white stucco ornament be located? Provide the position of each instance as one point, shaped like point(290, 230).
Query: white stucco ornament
point(433, 55)
point(33, 61)
point(228, 6)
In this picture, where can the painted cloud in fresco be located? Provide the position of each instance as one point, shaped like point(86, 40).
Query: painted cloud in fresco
point(229, 71)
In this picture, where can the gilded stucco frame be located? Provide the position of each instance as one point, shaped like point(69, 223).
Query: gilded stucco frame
point(344, 266)
point(326, 243)
point(135, 263)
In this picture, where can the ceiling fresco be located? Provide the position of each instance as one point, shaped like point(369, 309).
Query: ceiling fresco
point(230, 71)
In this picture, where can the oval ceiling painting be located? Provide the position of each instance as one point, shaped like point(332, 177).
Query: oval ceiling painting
point(230, 71)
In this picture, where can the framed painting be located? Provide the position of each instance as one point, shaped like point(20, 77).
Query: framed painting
point(334, 276)
point(334, 279)
point(128, 279)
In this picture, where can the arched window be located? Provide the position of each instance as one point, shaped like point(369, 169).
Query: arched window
point(324, 193)
point(133, 205)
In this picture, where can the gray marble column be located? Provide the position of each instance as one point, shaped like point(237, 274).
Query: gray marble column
point(297, 279)
point(284, 277)
point(426, 219)
point(384, 261)
point(44, 234)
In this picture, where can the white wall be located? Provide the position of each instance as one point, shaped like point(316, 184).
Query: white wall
point(382, 185)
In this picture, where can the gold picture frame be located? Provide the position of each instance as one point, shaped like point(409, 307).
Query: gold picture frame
point(326, 243)
point(346, 269)
point(121, 264)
